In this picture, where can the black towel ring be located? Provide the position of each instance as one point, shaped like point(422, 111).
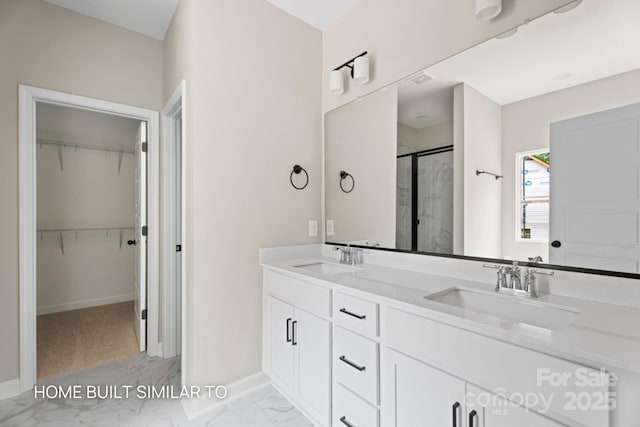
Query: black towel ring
point(297, 169)
point(344, 175)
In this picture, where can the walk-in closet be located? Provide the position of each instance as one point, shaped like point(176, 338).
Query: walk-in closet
point(86, 206)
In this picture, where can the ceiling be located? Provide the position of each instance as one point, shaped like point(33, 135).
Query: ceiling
point(317, 13)
point(152, 17)
point(557, 51)
point(149, 17)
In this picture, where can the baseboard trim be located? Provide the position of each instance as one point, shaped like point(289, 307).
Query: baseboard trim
point(9, 389)
point(195, 408)
point(94, 302)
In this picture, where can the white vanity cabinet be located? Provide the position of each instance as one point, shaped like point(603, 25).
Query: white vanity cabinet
point(349, 358)
point(489, 410)
point(297, 343)
point(356, 366)
point(424, 395)
point(443, 363)
point(416, 394)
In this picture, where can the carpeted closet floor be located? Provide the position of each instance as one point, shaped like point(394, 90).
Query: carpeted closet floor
point(75, 340)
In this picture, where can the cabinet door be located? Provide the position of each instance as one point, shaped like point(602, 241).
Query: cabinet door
point(415, 394)
point(494, 411)
point(312, 340)
point(281, 322)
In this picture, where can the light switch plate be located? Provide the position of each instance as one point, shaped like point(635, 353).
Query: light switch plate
point(313, 228)
point(330, 230)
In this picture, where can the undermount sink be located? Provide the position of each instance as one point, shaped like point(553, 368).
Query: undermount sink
point(506, 311)
point(328, 268)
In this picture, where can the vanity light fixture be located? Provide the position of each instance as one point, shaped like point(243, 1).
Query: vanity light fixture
point(359, 71)
point(486, 10)
point(336, 83)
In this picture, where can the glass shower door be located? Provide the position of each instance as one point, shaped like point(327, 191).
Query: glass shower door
point(435, 202)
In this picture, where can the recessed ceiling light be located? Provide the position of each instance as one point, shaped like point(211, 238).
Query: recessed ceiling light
point(567, 8)
point(421, 77)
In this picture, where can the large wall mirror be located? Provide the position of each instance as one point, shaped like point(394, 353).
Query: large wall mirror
point(525, 147)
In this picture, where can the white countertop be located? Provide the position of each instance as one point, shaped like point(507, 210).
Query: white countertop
point(602, 335)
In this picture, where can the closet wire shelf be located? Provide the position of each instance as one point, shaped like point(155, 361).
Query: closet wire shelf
point(121, 151)
point(61, 231)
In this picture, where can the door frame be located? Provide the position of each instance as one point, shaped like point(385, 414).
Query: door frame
point(174, 108)
point(28, 96)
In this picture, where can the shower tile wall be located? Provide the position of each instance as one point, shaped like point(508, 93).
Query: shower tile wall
point(403, 200)
point(435, 203)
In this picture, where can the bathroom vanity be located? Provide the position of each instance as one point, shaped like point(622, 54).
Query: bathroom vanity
point(369, 345)
point(524, 147)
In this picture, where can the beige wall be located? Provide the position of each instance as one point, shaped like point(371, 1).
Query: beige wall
point(361, 139)
point(404, 36)
point(434, 136)
point(254, 110)
point(482, 150)
point(47, 46)
point(91, 191)
point(526, 127)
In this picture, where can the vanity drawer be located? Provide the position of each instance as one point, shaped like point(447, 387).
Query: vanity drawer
point(305, 295)
point(355, 313)
point(356, 363)
point(349, 409)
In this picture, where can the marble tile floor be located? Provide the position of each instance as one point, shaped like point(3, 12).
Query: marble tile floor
point(263, 407)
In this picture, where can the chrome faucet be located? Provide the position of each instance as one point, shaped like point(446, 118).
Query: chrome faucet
point(515, 280)
point(510, 280)
point(349, 255)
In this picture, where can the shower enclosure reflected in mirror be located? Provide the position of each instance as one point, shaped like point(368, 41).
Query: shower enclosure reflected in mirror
point(521, 148)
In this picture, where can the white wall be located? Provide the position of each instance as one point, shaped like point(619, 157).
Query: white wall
point(89, 192)
point(482, 193)
point(404, 36)
point(47, 46)
point(526, 127)
point(253, 77)
point(361, 139)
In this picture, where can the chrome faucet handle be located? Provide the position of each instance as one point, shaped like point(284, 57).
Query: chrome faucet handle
point(515, 281)
point(501, 280)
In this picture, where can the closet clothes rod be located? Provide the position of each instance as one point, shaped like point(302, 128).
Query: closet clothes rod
point(59, 230)
point(85, 147)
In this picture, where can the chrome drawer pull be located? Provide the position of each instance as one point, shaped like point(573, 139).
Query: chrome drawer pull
point(357, 316)
point(353, 365)
point(344, 421)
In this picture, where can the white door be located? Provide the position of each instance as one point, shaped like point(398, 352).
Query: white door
point(595, 183)
point(312, 339)
point(494, 411)
point(281, 330)
point(419, 395)
point(140, 241)
point(178, 231)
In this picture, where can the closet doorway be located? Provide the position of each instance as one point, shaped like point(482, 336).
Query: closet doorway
point(88, 243)
point(91, 249)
